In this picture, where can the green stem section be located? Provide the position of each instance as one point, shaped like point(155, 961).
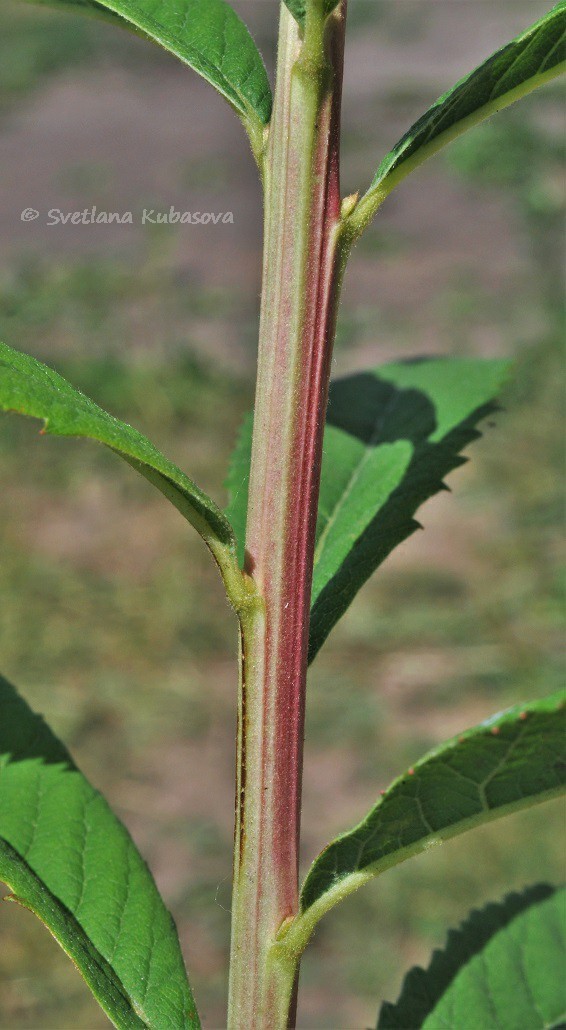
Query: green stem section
point(301, 276)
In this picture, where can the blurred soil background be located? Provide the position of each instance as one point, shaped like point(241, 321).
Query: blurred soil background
point(113, 622)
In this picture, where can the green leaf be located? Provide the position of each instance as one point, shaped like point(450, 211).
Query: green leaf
point(66, 856)
point(518, 979)
point(423, 990)
point(504, 969)
point(298, 8)
point(392, 435)
point(533, 58)
point(513, 760)
point(209, 36)
point(31, 388)
point(237, 484)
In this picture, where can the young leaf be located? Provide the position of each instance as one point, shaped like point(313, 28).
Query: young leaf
point(512, 979)
point(209, 36)
point(513, 760)
point(533, 58)
point(31, 388)
point(392, 435)
point(423, 989)
point(67, 858)
point(298, 8)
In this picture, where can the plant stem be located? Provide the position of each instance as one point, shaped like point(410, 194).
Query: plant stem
point(301, 278)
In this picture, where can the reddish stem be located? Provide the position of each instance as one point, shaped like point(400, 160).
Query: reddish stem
point(302, 270)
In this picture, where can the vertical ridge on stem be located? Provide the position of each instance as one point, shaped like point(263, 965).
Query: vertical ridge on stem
point(301, 274)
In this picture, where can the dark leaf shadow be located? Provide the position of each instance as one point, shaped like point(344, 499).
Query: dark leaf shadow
point(24, 735)
point(406, 414)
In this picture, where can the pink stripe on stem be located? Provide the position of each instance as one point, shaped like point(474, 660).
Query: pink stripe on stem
point(302, 271)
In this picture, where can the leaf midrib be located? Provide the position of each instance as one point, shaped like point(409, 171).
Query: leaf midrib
point(114, 981)
point(369, 827)
point(372, 442)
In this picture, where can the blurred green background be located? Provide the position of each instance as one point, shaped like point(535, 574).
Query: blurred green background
point(113, 623)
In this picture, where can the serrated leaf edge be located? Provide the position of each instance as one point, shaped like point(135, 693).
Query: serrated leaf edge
point(463, 942)
point(294, 936)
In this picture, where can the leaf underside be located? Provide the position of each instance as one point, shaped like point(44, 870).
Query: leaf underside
point(67, 858)
point(509, 762)
point(208, 35)
point(519, 67)
point(391, 436)
point(423, 990)
point(30, 388)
